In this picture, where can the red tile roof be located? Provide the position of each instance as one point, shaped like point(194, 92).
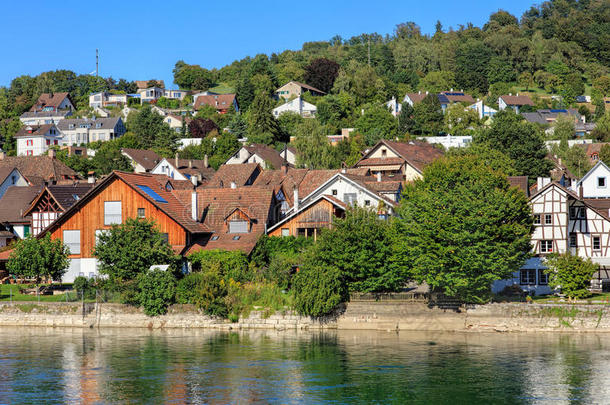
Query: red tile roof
point(418, 154)
point(239, 174)
point(517, 100)
point(33, 130)
point(520, 182)
point(38, 169)
point(49, 100)
point(267, 153)
point(218, 101)
point(416, 97)
point(306, 86)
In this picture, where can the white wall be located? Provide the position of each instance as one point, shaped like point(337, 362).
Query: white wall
point(166, 168)
point(590, 186)
point(80, 267)
point(20, 181)
point(343, 187)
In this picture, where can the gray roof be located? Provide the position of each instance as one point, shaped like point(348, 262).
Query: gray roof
point(109, 122)
point(34, 114)
point(541, 116)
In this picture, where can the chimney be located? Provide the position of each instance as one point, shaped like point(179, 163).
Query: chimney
point(378, 177)
point(52, 153)
point(580, 191)
point(91, 177)
point(343, 170)
point(177, 165)
point(2, 155)
point(190, 163)
point(194, 216)
point(233, 184)
point(205, 161)
point(194, 180)
point(295, 191)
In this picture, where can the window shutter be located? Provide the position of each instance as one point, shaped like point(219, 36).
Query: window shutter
point(112, 212)
point(72, 240)
point(238, 227)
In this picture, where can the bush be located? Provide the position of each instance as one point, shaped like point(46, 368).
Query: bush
point(571, 273)
point(157, 291)
point(280, 270)
point(241, 298)
point(84, 287)
point(269, 247)
point(206, 289)
point(230, 264)
point(318, 290)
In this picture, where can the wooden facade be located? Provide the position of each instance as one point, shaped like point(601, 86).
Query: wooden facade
point(89, 218)
point(308, 222)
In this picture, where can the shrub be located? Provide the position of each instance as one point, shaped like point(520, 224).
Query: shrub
point(269, 247)
point(38, 258)
point(157, 291)
point(318, 290)
point(230, 264)
point(84, 287)
point(571, 273)
point(241, 298)
point(280, 271)
point(206, 289)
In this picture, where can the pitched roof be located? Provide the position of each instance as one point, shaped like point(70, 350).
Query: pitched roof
point(15, 202)
point(267, 153)
point(517, 100)
point(65, 195)
point(592, 148)
point(45, 114)
point(305, 86)
point(33, 130)
point(49, 100)
point(239, 174)
point(458, 97)
point(38, 169)
point(336, 202)
point(216, 204)
point(418, 154)
point(416, 97)
point(143, 84)
point(145, 158)
point(218, 101)
point(520, 182)
point(103, 123)
point(5, 171)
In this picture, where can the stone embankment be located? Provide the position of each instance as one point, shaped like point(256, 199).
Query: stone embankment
point(365, 315)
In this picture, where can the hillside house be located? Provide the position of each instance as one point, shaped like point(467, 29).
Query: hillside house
point(107, 99)
point(195, 171)
point(84, 130)
point(53, 102)
point(35, 140)
point(221, 102)
point(43, 117)
point(515, 102)
point(294, 89)
point(142, 160)
point(297, 106)
point(264, 155)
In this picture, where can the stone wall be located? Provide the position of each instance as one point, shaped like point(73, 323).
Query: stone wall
point(357, 315)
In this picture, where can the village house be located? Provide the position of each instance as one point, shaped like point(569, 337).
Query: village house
point(264, 155)
point(11, 176)
point(233, 176)
point(592, 150)
point(84, 130)
point(394, 106)
point(39, 170)
point(221, 102)
point(399, 160)
point(53, 102)
point(106, 99)
point(194, 170)
point(295, 89)
point(445, 98)
point(549, 116)
point(142, 160)
point(514, 102)
point(14, 224)
point(177, 122)
point(35, 140)
point(151, 94)
point(448, 141)
point(145, 84)
point(44, 117)
point(297, 106)
point(483, 111)
point(414, 98)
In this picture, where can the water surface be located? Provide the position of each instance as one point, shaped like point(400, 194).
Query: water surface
point(139, 366)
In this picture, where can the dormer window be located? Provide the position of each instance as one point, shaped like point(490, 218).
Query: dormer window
point(238, 226)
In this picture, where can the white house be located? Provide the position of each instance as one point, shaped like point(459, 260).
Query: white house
point(150, 94)
point(34, 140)
point(174, 94)
point(43, 117)
point(394, 106)
point(514, 102)
point(175, 121)
point(265, 156)
point(297, 105)
point(448, 141)
point(484, 111)
point(11, 176)
point(85, 130)
point(103, 99)
point(594, 184)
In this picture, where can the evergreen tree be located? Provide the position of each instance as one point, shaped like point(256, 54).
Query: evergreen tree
point(262, 126)
point(406, 122)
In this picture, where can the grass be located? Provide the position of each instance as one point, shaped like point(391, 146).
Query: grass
point(264, 296)
point(5, 295)
point(222, 88)
point(598, 298)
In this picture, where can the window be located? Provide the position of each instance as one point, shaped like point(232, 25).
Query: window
point(13, 179)
point(141, 212)
point(537, 219)
point(546, 246)
point(236, 237)
point(112, 212)
point(548, 219)
point(285, 232)
point(601, 182)
point(597, 243)
point(334, 192)
point(48, 142)
point(367, 203)
point(577, 213)
point(215, 237)
point(573, 240)
point(543, 278)
point(72, 241)
point(238, 226)
point(350, 198)
point(384, 152)
point(528, 276)
point(165, 237)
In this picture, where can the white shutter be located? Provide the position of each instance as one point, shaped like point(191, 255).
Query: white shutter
point(72, 240)
point(112, 212)
point(238, 227)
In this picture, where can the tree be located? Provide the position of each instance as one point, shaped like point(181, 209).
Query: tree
point(238, 126)
point(262, 126)
point(321, 74)
point(157, 291)
point(491, 157)
point(312, 146)
point(526, 80)
point(437, 81)
point(428, 115)
point(563, 128)
point(461, 228)
point(192, 77)
point(406, 123)
point(151, 131)
point(108, 158)
point(377, 123)
point(472, 59)
point(571, 273)
point(602, 84)
point(519, 140)
point(128, 249)
point(460, 120)
point(39, 258)
point(604, 153)
point(577, 161)
point(201, 127)
point(602, 128)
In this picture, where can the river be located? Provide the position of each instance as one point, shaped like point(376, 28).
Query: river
point(39, 365)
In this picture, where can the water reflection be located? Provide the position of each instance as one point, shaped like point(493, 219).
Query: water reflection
point(139, 366)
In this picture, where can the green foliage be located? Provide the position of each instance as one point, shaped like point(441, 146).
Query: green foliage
point(519, 140)
point(192, 77)
point(128, 249)
point(377, 123)
point(318, 290)
point(230, 263)
point(492, 158)
point(84, 287)
point(461, 228)
point(460, 120)
point(262, 126)
point(157, 291)
point(269, 247)
point(39, 257)
point(406, 123)
point(604, 153)
point(151, 131)
point(312, 146)
point(472, 62)
point(571, 273)
point(428, 115)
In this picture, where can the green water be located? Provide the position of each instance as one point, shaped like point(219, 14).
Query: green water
point(39, 365)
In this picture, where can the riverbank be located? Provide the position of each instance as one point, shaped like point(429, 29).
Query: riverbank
point(356, 315)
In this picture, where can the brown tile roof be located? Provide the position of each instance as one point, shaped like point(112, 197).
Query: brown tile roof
point(65, 195)
point(520, 182)
point(381, 161)
point(143, 84)
point(383, 186)
point(49, 100)
point(239, 174)
point(458, 97)
point(15, 202)
point(416, 97)
point(216, 204)
point(194, 166)
point(218, 101)
point(517, 100)
point(418, 154)
point(145, 158)
point(268, 154)
point(592, 148)
point(33, 130)
point(38, 169)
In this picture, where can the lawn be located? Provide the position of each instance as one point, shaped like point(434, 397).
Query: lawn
point(598, 298)
point(222, 88)
point(5, 295)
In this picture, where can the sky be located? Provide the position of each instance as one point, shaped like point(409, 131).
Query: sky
point(142, 40)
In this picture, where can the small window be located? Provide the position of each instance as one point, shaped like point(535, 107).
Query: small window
point(350, 198)
point(112, 212)
point(573, 240)
point(238, 226)
point(573, 213)
point(597, 243)
point(72, 241)
point(601, 182)
point(546, 246)
point(543, 278)
point(215, 237)
point(367, 203)
point(236, 237)
point(527, 277)
point(141, 212)
point(13, 179)
point(334, 192)
point(548, 219)
point(536, 219)
point(285, 232)
point(384, 152)
point(165, 237)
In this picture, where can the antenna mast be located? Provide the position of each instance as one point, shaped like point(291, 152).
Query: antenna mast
point(97, 63)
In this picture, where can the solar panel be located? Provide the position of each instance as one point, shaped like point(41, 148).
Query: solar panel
point(152, 194)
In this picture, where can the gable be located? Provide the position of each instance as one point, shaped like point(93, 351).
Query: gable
point(378, 152)
point(595, 183)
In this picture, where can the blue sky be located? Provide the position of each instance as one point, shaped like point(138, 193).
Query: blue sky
point(141, 40)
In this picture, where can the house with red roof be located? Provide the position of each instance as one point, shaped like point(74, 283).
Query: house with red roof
point(221, 102)
point(53, 102)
